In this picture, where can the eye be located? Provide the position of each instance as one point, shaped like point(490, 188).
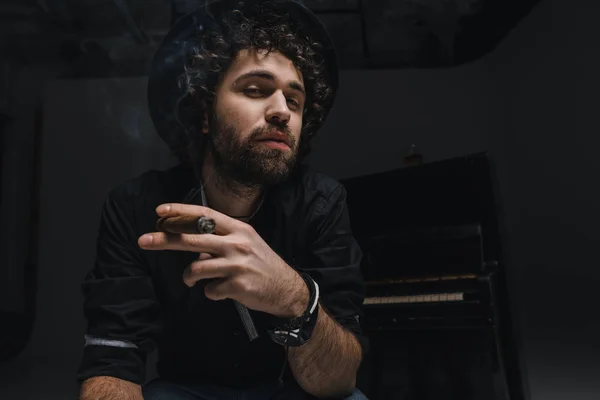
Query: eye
point(293, 102)
point(253, 92)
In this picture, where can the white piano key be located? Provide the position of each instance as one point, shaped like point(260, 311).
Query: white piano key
point(427, 298)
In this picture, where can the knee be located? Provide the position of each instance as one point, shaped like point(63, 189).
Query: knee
point(356, 395)
point(155, 392)
point(158, 390)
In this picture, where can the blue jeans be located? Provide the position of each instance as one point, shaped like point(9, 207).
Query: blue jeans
point(160, 389)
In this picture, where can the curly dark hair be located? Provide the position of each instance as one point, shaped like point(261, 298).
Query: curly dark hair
point(261, 28)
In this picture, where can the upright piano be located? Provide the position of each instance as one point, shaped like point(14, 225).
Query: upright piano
point(437, 305)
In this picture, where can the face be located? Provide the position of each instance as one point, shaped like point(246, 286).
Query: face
point(255, 129)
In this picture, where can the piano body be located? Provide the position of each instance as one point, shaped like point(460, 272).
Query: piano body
point(436, 307)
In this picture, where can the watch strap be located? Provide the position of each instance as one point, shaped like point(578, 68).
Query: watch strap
point(297, 331)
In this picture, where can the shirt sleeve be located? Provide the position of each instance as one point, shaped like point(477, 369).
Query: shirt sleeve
point(334, 263)
point(120, 305)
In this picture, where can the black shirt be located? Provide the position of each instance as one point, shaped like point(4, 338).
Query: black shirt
point(135, 300)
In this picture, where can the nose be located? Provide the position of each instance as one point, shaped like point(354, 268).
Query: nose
point(278, 110)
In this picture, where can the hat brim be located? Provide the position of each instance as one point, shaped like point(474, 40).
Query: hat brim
point(164, 91)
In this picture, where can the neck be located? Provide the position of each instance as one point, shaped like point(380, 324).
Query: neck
point(227, 196)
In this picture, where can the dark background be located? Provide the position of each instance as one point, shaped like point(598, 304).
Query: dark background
point(530, 100)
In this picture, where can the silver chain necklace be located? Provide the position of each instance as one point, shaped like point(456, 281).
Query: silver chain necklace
point(248, 218)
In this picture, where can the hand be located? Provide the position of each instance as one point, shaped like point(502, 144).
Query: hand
point(245, 268)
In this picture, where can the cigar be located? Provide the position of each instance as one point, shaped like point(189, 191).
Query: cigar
point(186, 224)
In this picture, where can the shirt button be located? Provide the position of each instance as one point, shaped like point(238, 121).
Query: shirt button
point(236, 332)
point(236, 365)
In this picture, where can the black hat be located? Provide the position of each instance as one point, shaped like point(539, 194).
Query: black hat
point(164, 91)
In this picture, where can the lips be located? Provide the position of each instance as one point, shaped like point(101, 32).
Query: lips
point(275, 137)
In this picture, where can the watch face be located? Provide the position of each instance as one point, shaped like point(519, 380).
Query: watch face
point(285, 339)
point(295, 323)
point(280, 337)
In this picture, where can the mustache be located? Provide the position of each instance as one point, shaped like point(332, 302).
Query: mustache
point(283, 129)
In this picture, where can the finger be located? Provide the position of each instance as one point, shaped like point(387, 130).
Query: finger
point(206, 269)
point(212, 244)
point(224, 223)
point(204, 256)
point(219, 289)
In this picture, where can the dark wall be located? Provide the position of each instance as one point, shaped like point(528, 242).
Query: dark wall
point(548, 77)
point(379, 114)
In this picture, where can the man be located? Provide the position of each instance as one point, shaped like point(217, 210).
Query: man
point(268, 305)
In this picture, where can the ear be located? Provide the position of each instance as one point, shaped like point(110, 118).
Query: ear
point(205, 124)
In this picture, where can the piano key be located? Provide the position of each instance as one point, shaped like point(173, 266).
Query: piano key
point(424, 298)
point(440, 278)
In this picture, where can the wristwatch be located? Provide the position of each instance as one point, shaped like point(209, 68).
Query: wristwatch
point(295, 332)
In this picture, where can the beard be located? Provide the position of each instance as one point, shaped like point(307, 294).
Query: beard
point(244, 161)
